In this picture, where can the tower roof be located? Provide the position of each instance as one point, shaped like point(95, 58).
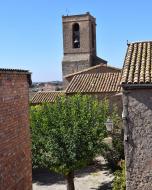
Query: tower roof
point(80, 17)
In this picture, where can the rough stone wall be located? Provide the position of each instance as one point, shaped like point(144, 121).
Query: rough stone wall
point(15, 154)
point(76, 59)
point(114, 99)
point(138, 146)
point(84, 22)
point(72, 67)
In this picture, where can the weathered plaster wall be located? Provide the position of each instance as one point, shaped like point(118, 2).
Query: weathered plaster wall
point(138, 147)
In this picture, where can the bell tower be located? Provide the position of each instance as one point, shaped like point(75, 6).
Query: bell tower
point(79, 43)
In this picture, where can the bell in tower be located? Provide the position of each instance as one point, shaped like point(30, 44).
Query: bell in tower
point(76, 36)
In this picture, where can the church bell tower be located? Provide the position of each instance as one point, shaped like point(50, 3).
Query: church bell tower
point(79, 42)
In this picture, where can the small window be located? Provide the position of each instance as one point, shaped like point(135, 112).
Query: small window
point(76, 36)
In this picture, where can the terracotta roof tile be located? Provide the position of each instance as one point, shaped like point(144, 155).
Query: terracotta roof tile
point(137, 67)
point(41, 97)
point(96, 82)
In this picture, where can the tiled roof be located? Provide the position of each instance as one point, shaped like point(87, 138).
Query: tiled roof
point(41, 97)
point(97, 82)
point(137, 69)
point(90, 69)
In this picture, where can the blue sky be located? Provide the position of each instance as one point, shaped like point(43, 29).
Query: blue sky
point(31, 31)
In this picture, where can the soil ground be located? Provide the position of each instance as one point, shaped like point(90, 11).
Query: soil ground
point(94, 177)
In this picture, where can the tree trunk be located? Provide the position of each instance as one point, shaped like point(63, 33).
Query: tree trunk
point(70, 181)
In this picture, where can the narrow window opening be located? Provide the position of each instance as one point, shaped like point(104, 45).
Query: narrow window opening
point(76, 36)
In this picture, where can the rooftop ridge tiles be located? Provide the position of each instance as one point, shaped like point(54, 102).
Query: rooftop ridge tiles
point(13, 70)
point(92, 68)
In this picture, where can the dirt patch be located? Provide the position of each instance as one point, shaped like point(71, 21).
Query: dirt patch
point(93, 177)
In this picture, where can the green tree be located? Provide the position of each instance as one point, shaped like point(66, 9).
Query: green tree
point(68, 134)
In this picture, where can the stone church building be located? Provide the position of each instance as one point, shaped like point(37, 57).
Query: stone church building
point(80, 61)
point(79, 43)
point(136, 82)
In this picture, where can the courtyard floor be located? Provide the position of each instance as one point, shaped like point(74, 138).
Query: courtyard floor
point(94, 177)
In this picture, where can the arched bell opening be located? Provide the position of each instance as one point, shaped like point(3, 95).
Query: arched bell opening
point(76, 35)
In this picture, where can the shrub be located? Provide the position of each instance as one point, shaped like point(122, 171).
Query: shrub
point(115, 152)
point(120, 178)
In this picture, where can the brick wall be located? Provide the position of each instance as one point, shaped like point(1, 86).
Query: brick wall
point(138, 148)
point(15, 154)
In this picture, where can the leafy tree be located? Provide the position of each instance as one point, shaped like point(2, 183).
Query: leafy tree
point(68, 134)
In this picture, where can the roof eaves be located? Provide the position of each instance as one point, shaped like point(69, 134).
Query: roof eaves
point(137, 42)
point(4, 70)
point(136, 86)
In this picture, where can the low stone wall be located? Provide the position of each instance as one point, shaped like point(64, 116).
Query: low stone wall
point(114, 98)
point(15, 154)
point(138, 139)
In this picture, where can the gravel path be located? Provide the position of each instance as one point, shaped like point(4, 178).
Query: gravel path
point(94, 177)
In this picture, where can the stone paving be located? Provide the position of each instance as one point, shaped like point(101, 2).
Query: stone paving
point(93, 177)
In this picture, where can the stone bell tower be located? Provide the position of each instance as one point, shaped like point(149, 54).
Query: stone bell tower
point(79, 43)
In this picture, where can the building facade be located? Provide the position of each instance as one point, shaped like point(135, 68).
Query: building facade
point(137, 115)
point(15, 143)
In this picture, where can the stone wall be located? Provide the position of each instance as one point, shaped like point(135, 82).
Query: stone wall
point(75, 66)
point(15, 154)
point(114, 99)
point(138, 138)
point(72, 67)
point(77, 59)
point(84, 21)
